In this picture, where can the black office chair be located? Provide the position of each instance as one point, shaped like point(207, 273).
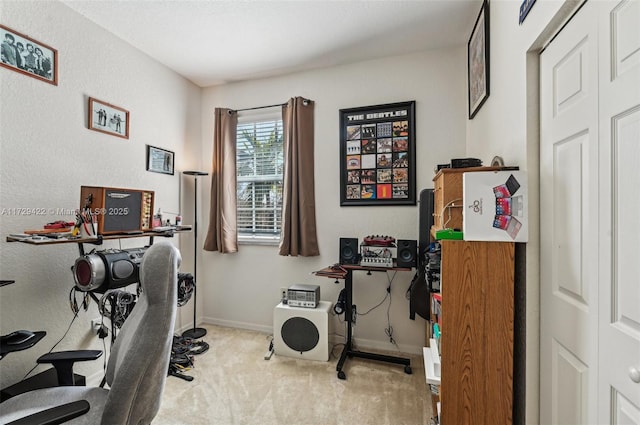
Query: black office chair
point(137, 366)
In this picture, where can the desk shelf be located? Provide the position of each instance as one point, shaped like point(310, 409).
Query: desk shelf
point(99, 239)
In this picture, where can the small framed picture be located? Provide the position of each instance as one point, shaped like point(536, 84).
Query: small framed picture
point(27, 56)
point(478, 61)
point(159, 160)
point(107, 118)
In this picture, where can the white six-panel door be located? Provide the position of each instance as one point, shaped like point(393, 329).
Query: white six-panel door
point(568, 223)
point(590, 215)
point(619, 235)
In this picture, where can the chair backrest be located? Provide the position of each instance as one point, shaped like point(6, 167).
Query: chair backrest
point(139, 358)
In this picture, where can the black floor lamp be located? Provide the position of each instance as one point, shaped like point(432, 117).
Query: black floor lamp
point(195, 333)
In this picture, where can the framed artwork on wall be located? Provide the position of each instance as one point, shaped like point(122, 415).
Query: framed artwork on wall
point(27, 56)
point(107, 118)
point(377, 155)
point(478, 61)
point(160, 160)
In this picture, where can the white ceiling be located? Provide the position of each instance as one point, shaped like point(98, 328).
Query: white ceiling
point(216, 41)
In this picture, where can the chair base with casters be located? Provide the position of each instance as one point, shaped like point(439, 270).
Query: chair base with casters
point(135, 385)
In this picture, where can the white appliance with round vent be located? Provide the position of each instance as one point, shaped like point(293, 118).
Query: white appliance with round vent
point(302, 332)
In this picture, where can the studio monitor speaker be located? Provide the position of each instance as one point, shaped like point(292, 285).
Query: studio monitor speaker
point(348, 250)
point(407, 253)
point(302, 332)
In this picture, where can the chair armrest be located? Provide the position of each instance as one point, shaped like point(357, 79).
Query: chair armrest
point(63, 362)
point(72, 356)
point(55, 415)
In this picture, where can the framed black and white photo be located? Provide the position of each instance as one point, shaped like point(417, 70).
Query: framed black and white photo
point(377, 155)
point(478, 61)
point(107, 118)
point(27, 56)
point(160, 160)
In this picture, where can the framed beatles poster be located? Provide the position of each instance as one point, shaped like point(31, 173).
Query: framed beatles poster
point(377, 155)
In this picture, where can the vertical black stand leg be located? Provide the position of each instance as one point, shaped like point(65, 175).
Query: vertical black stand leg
point(348, 312)
point(348, 350)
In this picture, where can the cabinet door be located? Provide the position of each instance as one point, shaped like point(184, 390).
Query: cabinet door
point(477, 332)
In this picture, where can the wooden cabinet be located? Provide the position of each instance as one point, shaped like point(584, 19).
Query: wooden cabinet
point(476, 344)
point(447, 197)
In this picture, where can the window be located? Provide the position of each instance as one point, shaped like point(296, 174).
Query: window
point(259, 170)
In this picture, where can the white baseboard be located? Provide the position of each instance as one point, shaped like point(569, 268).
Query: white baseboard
point(361, 344)
point(240, 325)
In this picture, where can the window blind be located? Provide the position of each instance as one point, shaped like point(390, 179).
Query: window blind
point(259, 171)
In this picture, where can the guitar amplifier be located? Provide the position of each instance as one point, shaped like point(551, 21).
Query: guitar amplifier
point(118, 210)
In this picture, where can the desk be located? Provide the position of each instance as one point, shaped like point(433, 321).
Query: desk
point(345, 272)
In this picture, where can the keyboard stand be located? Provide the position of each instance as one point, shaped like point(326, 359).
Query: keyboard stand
point(348, 350)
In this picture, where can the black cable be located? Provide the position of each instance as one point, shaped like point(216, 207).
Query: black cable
point(388, 294)
point(199, 347)
point(389, 330)
point(116, 305)
point(54, 345)
point(183, 350)
point(186, 287)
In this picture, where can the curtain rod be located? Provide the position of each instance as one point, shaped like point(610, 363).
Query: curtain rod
point(305, 101)
point(259, 107)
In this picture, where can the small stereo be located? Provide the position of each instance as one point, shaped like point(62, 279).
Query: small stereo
point(466, 162)
point(300, 295)
point(118, 210)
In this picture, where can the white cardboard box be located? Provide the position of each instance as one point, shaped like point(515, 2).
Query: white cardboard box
point(495, 206)
point(435, 356)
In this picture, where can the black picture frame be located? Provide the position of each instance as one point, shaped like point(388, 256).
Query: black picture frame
point(160, 160)
point(378, 155)
point(40, 61)
point(478, 61)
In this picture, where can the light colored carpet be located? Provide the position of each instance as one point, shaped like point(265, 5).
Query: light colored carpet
point(234, 385)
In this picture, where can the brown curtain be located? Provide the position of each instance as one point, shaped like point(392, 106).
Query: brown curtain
point(298, 205)
point(223, 232)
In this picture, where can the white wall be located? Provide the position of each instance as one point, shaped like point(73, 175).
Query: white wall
point(507, 125)
point(47, 152)
point(242, 289)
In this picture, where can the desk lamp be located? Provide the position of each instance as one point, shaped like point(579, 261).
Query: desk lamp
point(195, 333)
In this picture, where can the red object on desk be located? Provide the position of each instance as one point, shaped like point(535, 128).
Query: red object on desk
point(379, 240)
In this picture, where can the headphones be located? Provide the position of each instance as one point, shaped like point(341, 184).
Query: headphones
point(340, 305)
